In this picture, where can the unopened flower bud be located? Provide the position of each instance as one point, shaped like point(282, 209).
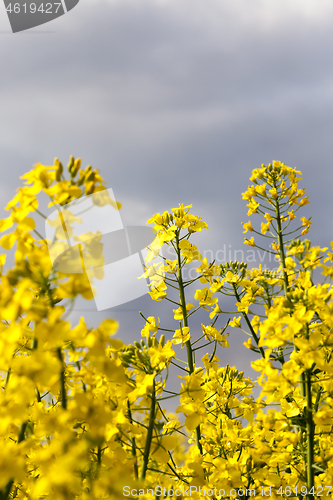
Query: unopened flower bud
point(70, 164)
point(59, 169)
point(76, 167)
point(140, 357)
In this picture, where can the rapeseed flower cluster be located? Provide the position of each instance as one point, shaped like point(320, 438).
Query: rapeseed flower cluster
point(82, 413)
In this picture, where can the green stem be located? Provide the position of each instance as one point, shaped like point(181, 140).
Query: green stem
point(99, 455)
point(245, 316)
point(22, 432)
point(4, 494)
point(185, 323)
point(305, 377)
point(39, 399)
point(281, 247)
point(283, 259)
point(149, 434)
point(7, 377)
point(309, 435)
point(129, 416)
point(302, 434)
point(62, 381)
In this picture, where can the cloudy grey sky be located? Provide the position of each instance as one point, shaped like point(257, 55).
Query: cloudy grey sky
point(175, 101)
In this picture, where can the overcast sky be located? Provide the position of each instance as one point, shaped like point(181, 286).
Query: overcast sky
point(175, 101)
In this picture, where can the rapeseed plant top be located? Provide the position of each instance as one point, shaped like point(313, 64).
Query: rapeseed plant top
point(82, 413)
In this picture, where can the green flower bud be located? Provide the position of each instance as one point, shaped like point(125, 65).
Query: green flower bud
point(154, 342)
point(70, 164)
point(76, 167)
point(140, 357)
point(59, 169)
point(125, 357)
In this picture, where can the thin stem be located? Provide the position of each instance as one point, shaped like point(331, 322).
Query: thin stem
point(99, 455)
point(281, 247)
point(4, 494)
point(22, 432)
point(7, 377)
point(39, 399)
point(149, 434)
point(245, 316)
point(185, 323)
point(40, 236)
point(309, 435)
point(129, 415)
point(62, 381)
